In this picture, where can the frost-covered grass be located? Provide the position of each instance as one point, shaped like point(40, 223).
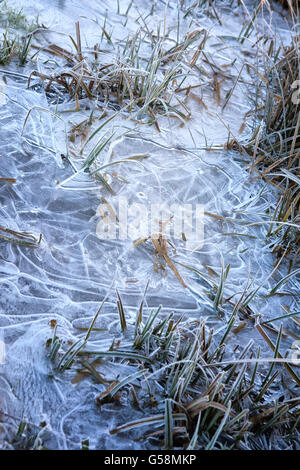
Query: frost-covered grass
point(13, 18)
point(149, 85)
point(275, 145)
point(195, 387)
point(11, 46)
point(202, 398)
point(16, 38)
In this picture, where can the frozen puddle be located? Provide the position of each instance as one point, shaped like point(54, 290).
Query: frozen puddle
point(67, 276)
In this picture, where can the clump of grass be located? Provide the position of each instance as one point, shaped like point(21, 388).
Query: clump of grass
point(8, 48)
point(145, 84)
point(11, 46)
point(12, 18)
point(12, 43)
point(275, 148)
point(193, 396)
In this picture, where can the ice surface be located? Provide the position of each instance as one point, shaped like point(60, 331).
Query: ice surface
point(67, 276)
